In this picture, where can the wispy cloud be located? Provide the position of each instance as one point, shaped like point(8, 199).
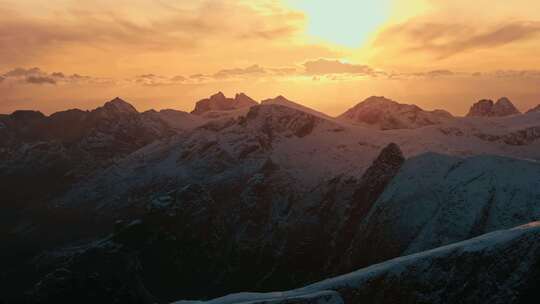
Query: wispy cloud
point(448, 39)
point(325, 66)
point(40, 80)
point(178, 26)
point(253, 70)
point(154, 80)
point(37, 76)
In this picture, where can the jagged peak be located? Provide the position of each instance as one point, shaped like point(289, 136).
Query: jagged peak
point(283, 101)
point(504, 100)
point(242, 100)
point(280, 99)
point(241, 95)
point(119, 105)
point(505, 104)
point(378, 99)
point(151, 111)
point(488, 108)
point(218, 96)
point(387, 114)
point(219, 102)
point(382, 103)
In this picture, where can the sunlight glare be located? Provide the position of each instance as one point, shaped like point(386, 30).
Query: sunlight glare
point(345, 22)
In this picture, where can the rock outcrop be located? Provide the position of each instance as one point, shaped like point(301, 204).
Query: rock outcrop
point(487, 108)
point(218, 102)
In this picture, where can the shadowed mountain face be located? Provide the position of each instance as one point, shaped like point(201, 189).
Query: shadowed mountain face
point(499, 267)
point(116, 118)
point(113, 205)
point(68, 145)
point(386, 114)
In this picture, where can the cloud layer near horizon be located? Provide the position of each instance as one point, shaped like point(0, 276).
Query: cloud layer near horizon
point(170, 53)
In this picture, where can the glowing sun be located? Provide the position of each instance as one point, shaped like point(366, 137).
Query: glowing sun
point(345, 22)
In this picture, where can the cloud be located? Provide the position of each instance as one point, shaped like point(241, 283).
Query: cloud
point(271, 34)
point(448, 39)
point(178, 78)
point(439, 73)
point(22, 72)
point(40, 80)
point(165, 27)
point(154, 80)
point(199, 77)
point(283, 71)
point(58, 75)
point(253, 70)
point(428, 74)
point(516, 74)
point(325, 66)
point(37, 76)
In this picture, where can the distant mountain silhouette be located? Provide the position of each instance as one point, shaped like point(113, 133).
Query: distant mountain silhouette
point(486, 108)
point(218, 102)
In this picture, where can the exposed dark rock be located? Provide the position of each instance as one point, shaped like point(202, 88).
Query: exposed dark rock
point(370, 187)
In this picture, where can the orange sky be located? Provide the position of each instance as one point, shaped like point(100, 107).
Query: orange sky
point(329, 55)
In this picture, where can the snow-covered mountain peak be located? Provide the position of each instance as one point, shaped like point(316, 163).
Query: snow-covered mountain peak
point(277, 99)
point(504, 107)
point(385, 114)
point(218, 96)
point(379, 101)
point(120, 106)
point(283, 101)
point(242, 100)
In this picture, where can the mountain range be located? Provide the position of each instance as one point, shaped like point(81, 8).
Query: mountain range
point(398, 204)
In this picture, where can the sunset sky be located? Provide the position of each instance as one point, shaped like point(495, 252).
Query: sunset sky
point(325, 54)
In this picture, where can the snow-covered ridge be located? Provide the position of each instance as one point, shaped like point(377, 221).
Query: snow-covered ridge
point(386, 114)
point(440, 275)
point(438, 199)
